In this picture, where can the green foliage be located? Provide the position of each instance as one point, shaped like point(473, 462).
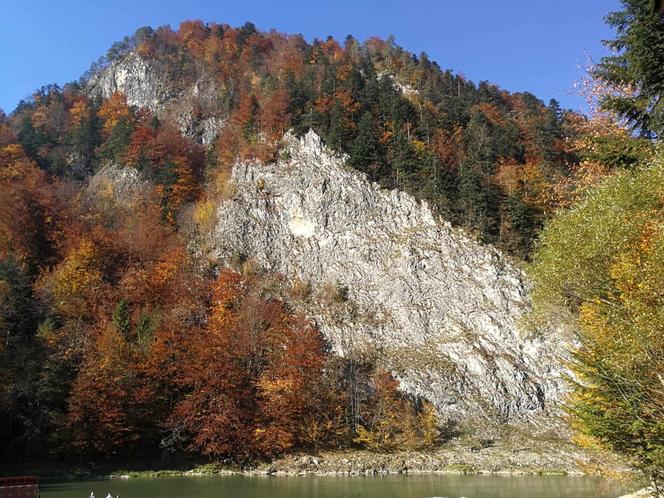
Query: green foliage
point(365, 149)
point(477, 201)
point(618, 150)
point(84, 138)
point(18, 311)
point(604, 261)
point(121, 318)
point(145, 329)
point(382, 106)
point(636, 68)
point(120, 137)
point(578, 247)
point(520, 224)
point(20, 355)
point(485, 159)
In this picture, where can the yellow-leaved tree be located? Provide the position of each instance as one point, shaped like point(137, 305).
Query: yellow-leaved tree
point(603, 262)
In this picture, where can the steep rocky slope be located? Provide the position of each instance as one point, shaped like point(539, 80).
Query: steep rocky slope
point(138, 79)
point(382, 273)
point(145, 86)
point(441, 309)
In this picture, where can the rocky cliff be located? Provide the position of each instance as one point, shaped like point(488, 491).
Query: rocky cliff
point(146, 85)
point(441, 310)
point(381, 272)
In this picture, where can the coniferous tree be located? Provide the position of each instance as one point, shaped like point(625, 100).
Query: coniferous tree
point(118, 140)
point(520, 224)
point(404, 161)
point(637, 63)
point(477, 201)
point(364, 149)
point(339, 133)
point(121, 319)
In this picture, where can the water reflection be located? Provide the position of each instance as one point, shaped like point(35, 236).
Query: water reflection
point(392, 486)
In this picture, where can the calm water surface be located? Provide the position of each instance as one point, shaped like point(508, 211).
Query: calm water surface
point(393, 486)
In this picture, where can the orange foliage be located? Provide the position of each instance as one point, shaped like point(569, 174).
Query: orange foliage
point(167, 148)
point(448, 147)
point(508, 176)
point(274, 115)
point(77, 281)
point(140, 146)
point(113, 110)
point(248, 374)
point(492, 113)
point(78, 112)
point(287, 57)
point(193, 35)
point(101, 409)
point(28, 209)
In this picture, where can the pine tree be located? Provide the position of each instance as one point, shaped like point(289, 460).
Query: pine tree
point(637, 63)
point(364, 149)
point(85, 138)
point(520, 226)
point(404, 160)
point(144, 329)
point(338, 133)
point(552, 130)
point(121, 317)
point(119, 139)
point(477, 201)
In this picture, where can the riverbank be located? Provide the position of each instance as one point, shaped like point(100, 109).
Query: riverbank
point(516, 455)
point(454, 459)
point(642, 493)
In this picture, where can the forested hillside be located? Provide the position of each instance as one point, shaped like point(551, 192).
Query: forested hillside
point(494, 162)
point(600, 263)
point(117, 337)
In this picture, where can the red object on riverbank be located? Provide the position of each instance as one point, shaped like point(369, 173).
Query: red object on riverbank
point(19, 487)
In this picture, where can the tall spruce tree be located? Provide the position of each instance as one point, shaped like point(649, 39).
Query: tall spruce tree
point(121, 317)
point(364, 149)
point(637, 63)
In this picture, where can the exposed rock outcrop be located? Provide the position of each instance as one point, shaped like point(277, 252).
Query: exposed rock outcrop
point(146, 86)
point(441, 309)
point(138, 79)
point(121, 184)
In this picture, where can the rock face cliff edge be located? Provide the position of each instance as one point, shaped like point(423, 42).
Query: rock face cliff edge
point(437, 308)
point(441, 310)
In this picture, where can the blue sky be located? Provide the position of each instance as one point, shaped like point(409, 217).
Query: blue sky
point(517, 44)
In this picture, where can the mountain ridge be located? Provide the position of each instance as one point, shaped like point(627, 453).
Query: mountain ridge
point(256, 222)
point(346, 195)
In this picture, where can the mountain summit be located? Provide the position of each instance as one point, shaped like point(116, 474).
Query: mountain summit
point(242, 244)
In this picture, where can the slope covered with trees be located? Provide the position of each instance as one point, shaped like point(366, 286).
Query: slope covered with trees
point(494, 162)
point(115, 341)
point(116, 338)
point(601, 262)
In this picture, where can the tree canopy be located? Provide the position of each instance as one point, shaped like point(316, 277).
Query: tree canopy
point(635, 69)
point(603, 260)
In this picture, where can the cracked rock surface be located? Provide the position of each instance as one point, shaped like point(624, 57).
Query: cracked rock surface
point(146, 86)
point(441, 309)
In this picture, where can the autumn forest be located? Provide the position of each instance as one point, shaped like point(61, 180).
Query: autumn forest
point(118, 338)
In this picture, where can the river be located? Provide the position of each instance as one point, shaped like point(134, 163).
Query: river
point(390, 486)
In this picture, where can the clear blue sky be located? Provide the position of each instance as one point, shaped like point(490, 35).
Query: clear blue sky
point(517, 44)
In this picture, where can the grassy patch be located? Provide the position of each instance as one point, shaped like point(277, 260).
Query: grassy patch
point(462, 468)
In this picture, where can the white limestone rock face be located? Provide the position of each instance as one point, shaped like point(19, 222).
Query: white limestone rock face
point(137, 79)
point(145, 86)
point(441, 309)
point(122, 184)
